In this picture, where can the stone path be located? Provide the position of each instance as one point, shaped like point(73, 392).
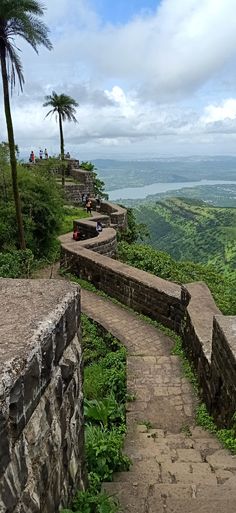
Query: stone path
point(177, 467)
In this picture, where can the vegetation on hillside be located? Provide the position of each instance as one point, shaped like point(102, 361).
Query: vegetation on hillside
point(44, 217)
point(192, 230)
point(163, 265)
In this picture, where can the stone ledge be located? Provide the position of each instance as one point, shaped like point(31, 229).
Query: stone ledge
point(38, 321)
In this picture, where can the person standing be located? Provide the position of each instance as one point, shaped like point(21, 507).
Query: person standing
point(89, 206)
point(46, 154)
point(32, 157)
point(41, 154)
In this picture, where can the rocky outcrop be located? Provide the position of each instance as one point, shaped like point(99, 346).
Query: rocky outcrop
point(41, 417)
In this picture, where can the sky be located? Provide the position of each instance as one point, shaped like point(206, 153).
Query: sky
point(152, 78)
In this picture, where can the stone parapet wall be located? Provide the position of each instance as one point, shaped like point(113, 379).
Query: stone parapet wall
point(117, 214)
point(105, 243)
point(73, 193)
point(41, 417)
point(189, 310)
point(161, 300)
point(223, 369)
point(85, 178)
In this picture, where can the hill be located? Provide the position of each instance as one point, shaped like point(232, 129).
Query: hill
point(191, 230)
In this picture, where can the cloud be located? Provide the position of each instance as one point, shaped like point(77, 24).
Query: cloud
point(225, 111)
point(166, 54)
point(138, 84)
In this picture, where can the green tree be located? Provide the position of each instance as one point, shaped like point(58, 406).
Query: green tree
point(18, 18)
point(65, 108)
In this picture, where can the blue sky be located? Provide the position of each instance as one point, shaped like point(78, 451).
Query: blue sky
point(121, 11)
point(151, 79)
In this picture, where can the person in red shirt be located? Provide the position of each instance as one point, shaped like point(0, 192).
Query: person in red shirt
point(76, 234)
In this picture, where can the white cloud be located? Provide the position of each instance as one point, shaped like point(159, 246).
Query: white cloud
point(226, 110)
point(139, 84)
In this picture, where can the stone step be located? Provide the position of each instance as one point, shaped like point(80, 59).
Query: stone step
point(173, 498)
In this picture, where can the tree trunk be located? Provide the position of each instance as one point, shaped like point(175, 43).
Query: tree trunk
point(62, 151)
point(12, 148)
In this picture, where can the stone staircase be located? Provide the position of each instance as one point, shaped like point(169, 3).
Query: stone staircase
point(177, 467)
point(175, 473)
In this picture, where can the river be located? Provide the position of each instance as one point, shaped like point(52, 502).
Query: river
point(155, 188)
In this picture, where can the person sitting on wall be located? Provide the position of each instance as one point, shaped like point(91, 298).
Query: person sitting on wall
point(99, 227)
point(67, 155)
point(76, 234)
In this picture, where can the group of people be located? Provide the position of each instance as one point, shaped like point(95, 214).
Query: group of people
point(41, 154)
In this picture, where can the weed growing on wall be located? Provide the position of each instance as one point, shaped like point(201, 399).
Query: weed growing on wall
point(104, 409)
point(226, 436)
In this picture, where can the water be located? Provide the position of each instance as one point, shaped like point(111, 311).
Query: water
point(155, 188)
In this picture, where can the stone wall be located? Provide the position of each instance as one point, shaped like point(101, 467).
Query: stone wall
point(223, 369)
point(73, 193)
point(161, 300)
point(41, 418)
point(189, 310)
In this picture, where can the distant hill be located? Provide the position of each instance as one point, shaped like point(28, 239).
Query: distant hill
point(192, 230)
point(130, 173)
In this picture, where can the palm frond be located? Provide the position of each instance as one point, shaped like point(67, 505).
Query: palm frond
point(63, 105)
point(20, 18)
point(16, 68)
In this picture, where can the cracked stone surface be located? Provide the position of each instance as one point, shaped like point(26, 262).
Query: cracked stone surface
point(177, 466)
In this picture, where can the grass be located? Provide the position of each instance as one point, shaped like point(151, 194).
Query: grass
point(71, 214)
point(226, 436)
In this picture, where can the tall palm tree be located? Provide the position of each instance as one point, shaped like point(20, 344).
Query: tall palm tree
point(18, 18)
point(65, 107)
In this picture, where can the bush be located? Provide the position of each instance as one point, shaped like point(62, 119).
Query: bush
point(104, 452)
point(90, 502)
point(42, 209)
point(17, 264)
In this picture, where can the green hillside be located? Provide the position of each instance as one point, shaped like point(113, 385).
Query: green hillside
point(191, 230)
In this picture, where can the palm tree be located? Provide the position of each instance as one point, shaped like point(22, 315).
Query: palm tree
point(18, 18)
point(63, 106)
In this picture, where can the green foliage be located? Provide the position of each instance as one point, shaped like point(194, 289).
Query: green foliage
point(90, 502)
point(42, 208)
point(162, 265)
point(226, 436)
point(87, 166)
point(69, 215)
point(87, 502)
point(106, 412)
point(134, 231)
point(104, 408)
point(17, 264)
point(192, 230)
point(106, 376)
point(104, 451)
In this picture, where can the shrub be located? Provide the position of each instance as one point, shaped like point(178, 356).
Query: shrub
point(42, 208)
point(104, 452)
point(17, 264)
